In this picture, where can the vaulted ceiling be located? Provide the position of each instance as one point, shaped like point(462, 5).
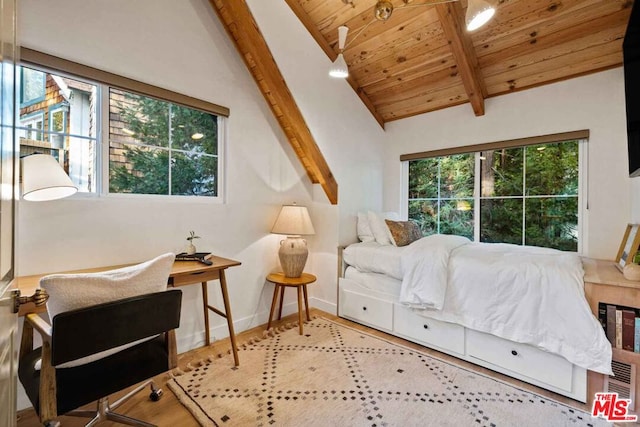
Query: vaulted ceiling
point(422, 58)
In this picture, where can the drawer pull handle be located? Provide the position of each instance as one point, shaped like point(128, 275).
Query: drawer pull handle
point(196, 273)
point(515, 353)
point(364, 308)
point(425, 326)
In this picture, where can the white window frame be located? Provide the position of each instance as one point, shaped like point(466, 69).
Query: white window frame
point(32, 118)
point(582, 193)
point(105, 171)
point(102, 131)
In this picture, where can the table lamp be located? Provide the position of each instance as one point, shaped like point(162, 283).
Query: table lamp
point(44, 179)
point(294, 221)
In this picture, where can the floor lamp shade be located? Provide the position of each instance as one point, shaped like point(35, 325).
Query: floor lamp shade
point(44, 179)
point(294, 221)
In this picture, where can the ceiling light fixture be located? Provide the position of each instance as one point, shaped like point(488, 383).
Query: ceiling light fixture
point(339, 68)
point(479, 12)
point(196, 136)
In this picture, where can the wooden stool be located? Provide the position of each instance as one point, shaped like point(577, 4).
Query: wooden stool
point(282, 282)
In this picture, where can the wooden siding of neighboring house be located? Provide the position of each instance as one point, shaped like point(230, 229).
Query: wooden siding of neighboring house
point(118, 139)
point(52, 97)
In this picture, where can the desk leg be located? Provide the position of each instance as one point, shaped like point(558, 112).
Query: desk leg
point(227, 310)
point(300, 309)
point(205, 300)
point(273, 305)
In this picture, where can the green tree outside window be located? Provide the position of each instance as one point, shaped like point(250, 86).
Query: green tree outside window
point(158, 147)
point(528, 195)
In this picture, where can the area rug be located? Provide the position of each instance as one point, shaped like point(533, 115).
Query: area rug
point(334, 375)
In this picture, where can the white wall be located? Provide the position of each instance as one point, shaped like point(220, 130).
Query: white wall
point(594, 102)
point(181, 46)
point(635, 200)
point(346, 132)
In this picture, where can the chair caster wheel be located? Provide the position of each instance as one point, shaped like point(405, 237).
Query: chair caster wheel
point(156, 395)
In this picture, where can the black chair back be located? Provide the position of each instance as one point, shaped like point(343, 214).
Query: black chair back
point(86, 331)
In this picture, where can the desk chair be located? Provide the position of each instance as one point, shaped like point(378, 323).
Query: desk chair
point(90, 339)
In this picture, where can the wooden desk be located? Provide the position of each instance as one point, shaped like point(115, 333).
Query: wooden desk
point(183, 273)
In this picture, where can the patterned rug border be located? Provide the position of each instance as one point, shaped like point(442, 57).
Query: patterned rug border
point(205, 420)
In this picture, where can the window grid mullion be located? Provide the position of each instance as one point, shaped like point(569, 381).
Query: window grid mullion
point(439, 193)
point(524, 195)
point(170, 132)
point(476, 196)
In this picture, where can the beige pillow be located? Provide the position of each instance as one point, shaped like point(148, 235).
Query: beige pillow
point(403, 232)
point(73, 291)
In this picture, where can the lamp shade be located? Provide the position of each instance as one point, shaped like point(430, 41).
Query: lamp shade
point(44, 179)
point(479, 12)
point(339, 68)
point(293, 220)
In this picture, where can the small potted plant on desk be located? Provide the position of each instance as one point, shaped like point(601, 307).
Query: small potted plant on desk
point(191, 249)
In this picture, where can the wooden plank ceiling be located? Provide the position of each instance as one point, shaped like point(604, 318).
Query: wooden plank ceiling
point(422, 58)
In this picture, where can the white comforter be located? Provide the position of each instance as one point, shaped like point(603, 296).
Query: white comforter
point(525, 294)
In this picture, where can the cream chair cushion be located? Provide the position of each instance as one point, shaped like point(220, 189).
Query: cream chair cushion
point(73, 291)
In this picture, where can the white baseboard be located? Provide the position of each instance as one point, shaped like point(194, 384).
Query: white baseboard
point(186, 343)
point(329, 307)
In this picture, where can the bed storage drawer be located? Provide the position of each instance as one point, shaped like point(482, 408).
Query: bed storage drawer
point(521, 359)
point(366, 309)
point(447, 336)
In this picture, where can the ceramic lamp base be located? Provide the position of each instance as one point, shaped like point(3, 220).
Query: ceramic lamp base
point(293, 255)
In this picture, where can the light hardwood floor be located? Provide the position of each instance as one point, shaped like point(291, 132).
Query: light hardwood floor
point(169, 412)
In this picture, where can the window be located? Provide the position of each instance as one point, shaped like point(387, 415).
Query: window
point(63, 123)
point(523, 195)
point(142, 144)
point(33, 125)
point(441, 194)
point(156, 147)
point(58, 128)
point(32, 87)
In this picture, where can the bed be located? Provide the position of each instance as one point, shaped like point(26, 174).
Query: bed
point(514, 309)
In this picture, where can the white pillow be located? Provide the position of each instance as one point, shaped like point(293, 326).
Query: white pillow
point(363, 229)
point(379, 227)
point(73, 291)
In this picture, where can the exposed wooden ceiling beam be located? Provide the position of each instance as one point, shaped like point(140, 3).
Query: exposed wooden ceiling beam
point(452, 20)
point(326, 47)
point(243, 30)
